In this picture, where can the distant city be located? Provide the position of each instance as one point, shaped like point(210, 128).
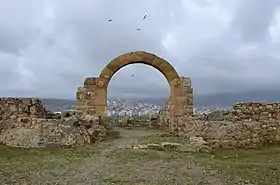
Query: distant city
point(146, 106)
point(119, 107)
point(130, 108)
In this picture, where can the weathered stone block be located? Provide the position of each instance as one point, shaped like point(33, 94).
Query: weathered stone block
point(13, 108)
point(107, 72)
point(90, 81)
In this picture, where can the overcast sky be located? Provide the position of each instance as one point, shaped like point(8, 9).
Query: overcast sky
point(48, 47)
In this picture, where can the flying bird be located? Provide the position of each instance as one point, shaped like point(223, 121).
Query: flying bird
point(145, 16)
point(138, 29)
point(132, 75)
point(110, 20)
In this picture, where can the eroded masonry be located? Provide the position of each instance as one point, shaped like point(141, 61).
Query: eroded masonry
point(24, 122)
point(91, 99)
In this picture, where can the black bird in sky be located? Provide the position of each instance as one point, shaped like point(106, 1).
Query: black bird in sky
point(145, 16)
point(110, 20)
point(132, 75)
point(138, 29)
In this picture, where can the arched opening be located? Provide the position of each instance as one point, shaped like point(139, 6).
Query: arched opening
point(137, 90)
point(138, 57)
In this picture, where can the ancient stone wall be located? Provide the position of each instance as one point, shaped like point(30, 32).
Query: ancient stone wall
point(217, 115)
point(24, 123)
point(229, 134)
point(247, 111)
point(13, 108)
point(165, 115)
point(248, 125)
point(253, 111)
point(85, 97)
point(29, 132)
point(184, 99)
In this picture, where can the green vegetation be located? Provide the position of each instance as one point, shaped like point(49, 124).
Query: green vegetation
point(253, 166)
point(15, 155)
point(104, 163)
point(158, 138)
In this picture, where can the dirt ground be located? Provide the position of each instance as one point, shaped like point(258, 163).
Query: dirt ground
point(106, 164)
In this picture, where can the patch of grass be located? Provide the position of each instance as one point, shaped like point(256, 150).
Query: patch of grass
point(130, 166)
point(18, 163)
point(101, 165)
point(160, 139)
point(253, 166)
point(130, 155)
point(113, 134)
point(9, 155)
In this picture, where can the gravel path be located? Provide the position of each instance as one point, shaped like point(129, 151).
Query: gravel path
point(106, 164)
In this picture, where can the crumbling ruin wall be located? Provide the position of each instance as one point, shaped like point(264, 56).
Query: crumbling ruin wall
point(186, 98)
point(253, 111)
point(230, 134)
point(247, 111)
point(85, 97)
point(165, 115)
point(248, 125)
point(24, 123)
point(13, 108)
point(217, 115)
point(30, 132)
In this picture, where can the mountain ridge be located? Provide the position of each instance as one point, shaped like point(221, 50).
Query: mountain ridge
point(214, 100)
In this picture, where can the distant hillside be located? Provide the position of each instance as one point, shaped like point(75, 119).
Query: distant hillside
point(215, 100)
point(57, 102)
point(228, 99)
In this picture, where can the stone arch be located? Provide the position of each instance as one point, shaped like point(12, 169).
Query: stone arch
point(138, 57)
point(180, 87)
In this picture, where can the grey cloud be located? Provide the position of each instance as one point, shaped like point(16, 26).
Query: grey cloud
point(47, 48)
point(14, 40)
point(253, 18)
point(8, 74)
point(18, 24)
